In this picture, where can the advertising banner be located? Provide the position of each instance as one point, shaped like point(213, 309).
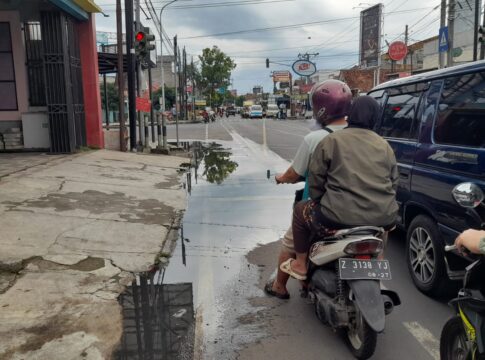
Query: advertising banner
point(281, 76)
point(304, 68)
point(370, 36)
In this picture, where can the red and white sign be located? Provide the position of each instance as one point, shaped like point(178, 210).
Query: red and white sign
point(143, 104)
point(398, 50)
point(281, 76)
point(306, 88)
point(189, 89)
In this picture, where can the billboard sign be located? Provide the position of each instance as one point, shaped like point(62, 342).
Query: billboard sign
point(304, 68)
point(398, 50)
point(370, 36)
point(281, 76)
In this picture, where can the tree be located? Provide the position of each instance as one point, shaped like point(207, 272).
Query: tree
point(112, 91)
point(215, 71)
point(169, 96)
point(240, 100)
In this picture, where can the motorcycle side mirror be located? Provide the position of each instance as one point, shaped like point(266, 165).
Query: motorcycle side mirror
point(468, 195)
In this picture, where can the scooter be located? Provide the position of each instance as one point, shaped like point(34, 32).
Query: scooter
point(463, 336)
point(344, 284)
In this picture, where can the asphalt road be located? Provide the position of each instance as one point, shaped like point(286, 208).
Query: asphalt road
point(232, 229)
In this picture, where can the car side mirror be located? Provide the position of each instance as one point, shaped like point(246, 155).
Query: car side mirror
point(468, 195)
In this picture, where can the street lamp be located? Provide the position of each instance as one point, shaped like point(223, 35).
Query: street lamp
point(160, 31)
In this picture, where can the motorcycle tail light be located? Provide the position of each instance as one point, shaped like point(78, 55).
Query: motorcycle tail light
point(364, 247)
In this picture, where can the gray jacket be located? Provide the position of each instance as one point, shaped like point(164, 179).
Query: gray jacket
point(354, 175)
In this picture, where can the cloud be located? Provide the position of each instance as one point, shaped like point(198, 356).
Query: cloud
point(336, 42)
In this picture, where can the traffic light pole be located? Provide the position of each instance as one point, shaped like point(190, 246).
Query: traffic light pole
point(175, 68)
point(138, 83)
point(131, 68)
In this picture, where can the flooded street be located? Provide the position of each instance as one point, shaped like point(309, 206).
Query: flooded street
point(233, 207)
point(213, 305)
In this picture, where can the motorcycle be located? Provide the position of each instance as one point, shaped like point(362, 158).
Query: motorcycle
point(463, 336)
point(344, 284)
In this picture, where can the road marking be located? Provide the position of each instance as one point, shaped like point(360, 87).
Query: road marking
point(206, 132)
point(425, 338)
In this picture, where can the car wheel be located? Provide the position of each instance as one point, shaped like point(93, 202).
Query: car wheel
point(425, 257)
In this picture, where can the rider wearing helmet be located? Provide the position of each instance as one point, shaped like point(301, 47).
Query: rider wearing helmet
point(331, 102)
point(353, 179)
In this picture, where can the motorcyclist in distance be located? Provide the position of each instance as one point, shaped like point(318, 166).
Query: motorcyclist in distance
point(473, 240)
point(331, 102)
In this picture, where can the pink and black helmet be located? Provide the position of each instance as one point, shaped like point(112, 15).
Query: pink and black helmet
point(330, 100)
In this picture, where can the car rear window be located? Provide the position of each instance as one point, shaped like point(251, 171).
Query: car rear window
point(399, 114)
point(257, 107)
point(461, 112)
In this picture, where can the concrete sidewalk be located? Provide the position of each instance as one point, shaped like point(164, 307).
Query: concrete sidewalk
point(73, 231)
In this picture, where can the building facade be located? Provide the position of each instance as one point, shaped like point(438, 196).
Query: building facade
point(49, 87)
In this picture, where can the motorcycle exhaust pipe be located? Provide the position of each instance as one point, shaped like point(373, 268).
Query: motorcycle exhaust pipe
point(388, 304)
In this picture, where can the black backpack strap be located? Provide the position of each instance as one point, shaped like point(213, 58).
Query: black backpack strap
point(326, 128)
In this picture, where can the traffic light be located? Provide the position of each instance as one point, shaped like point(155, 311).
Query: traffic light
point(481, 32)
point(142, 44)
point(267, 63)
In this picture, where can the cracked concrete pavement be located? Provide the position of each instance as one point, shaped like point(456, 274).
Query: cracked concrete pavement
point(73, 231)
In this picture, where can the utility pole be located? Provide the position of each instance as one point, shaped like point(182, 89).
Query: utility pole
point(150, 94)
point(175, 60)
point(185, 86)
point(121, 82)
point(475, 34)
point(482, 44)
point(441, 55)
point(138, 79)
point(130, 52)
point(406, 42)
point(451, 31)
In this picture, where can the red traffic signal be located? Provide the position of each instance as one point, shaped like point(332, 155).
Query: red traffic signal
point(140, 36)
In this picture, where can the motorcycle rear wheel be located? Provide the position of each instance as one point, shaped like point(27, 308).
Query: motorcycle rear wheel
point(453, 341)
point(361, 338)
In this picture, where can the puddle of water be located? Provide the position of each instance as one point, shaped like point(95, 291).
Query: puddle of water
point(158, 319)
point(232, 208)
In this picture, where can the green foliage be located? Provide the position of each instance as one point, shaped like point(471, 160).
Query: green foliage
point(240, 100)
point(112, 91)
point(217, 162)
point(169, 96)
point(215, 72)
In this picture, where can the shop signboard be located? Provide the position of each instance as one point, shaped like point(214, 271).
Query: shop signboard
point(304, 68)
point(281, 76)
point(370, 36)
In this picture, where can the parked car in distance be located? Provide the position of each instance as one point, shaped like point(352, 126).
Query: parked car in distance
point(256, 111)
point(435, 123)
point(272, 111)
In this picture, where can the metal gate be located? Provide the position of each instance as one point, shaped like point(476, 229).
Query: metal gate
point(63, 82)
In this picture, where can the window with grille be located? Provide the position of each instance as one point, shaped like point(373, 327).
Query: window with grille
point(8, 89)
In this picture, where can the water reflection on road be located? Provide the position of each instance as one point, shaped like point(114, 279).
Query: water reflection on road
point(232, 208)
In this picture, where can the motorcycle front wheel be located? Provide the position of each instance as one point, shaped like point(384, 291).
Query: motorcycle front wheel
point(453, 341)
point(361, 338)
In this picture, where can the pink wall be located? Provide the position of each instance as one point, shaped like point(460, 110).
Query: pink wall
point(92, 96)
point(19, 62)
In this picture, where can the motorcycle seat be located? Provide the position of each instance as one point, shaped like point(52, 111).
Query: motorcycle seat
point(359, 231)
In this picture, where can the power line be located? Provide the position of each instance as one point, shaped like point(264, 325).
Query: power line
point(220, 4)
point(283, 27)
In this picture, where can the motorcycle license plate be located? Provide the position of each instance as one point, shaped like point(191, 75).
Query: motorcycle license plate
point(355, 269)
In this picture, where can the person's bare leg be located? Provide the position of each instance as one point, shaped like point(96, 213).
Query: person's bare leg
point(279, 284)
point(299, 265)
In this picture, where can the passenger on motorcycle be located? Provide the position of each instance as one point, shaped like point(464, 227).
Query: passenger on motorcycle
point(473, 240)
point(353, 180)
point(331, 102)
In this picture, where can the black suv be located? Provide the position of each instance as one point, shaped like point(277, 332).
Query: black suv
point(435, 122)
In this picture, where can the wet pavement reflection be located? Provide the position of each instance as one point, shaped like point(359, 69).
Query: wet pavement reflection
point(232, 208)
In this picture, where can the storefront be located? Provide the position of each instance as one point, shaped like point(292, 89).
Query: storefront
point(49, 97)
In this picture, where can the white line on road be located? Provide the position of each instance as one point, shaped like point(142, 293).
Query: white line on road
point(265, 142)
point(206, 132)
point(425, 338)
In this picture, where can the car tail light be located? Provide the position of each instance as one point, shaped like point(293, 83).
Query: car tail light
point(364, 247)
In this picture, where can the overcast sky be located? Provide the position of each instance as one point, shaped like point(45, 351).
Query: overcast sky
point(334, 32)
